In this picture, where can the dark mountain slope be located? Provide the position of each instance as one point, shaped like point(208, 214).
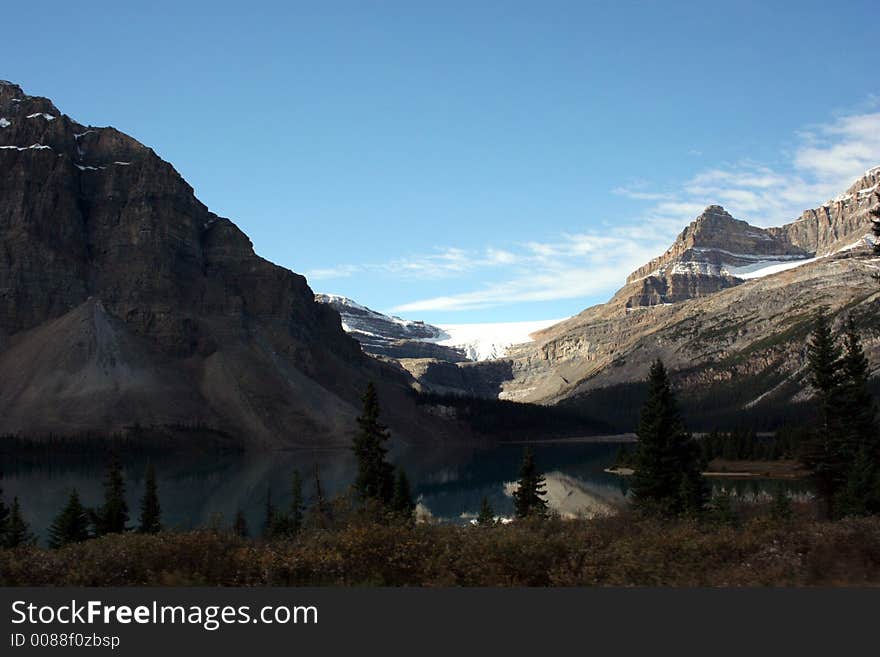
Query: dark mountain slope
point(124, 300)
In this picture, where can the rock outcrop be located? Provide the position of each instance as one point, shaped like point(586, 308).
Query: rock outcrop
point(709, 255)
point(124, 300)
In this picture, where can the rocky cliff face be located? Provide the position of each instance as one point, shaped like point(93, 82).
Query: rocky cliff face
point(124, 300)
point(711, 254)
point(716, 251)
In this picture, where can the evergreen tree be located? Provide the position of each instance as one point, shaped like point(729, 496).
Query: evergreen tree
point(529, 495)
point(240, 526)
point(288, 524)
point(780, 507)
point(486, 517)
point(721, 511)
point(375, 478)
point(857, 410)
point(693, 492)
point(667, 478)
point(151, 511)
point(624, 458)
point(860, 493)
point(319, 514)
point(826, 455)
point(823, 355)
point(401, 501)
point(4, 517)
point(18, 531)
point(112, 516)
point(297, 503)
point(71, 525)
point(269, 523)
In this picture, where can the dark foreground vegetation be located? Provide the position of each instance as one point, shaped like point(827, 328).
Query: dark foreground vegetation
point(615, 551)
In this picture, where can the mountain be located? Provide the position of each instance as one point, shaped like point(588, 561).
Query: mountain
point(124, 301)
point(713, 253)
point(727, 307)
point(404, 340)
point(383, 335)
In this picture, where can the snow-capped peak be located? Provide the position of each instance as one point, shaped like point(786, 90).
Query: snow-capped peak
point(483, 341)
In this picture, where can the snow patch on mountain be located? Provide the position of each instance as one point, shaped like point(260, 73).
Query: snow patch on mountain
point(359, 318)
point(477, 341)
point(490, 340)
point(36, 147)
point(774, 266)
point(765, 268)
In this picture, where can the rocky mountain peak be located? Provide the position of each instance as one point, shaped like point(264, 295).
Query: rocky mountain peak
point(866, 184)
point(713, 211)
point(710, 224)
point(111, 263)
point(10, 89)
point(14, 101)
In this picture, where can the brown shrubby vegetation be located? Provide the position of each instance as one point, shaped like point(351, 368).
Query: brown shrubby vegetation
point(617, 551)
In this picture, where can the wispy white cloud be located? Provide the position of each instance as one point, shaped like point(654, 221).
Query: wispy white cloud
point(574, 266)
point(837, 152)
point(641, 194)
point(327, 273)
point(442, 263)
point(825, 160)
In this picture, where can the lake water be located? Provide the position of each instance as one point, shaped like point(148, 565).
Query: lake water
point(449, 483)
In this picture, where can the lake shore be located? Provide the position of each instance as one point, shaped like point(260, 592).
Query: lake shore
point(781, 469)
point(608, 438)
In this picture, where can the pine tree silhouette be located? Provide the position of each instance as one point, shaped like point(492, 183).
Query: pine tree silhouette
point(112, 516)
point(528, 498)
point(289, 524)
point(4, 517)
point(18, 531)
point(401, 501)
point(151, 510)
point(240, 526)
point(827, 454)
point(269, 523)
point(71, 525)
point(666, 478)
point(857, 410)
point(486, 517)
point(780, 507)
point(375, 478)
point(320, 515)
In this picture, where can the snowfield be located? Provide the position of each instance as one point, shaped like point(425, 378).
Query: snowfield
point(477, 341)
point(765, 268)
point(490, 340)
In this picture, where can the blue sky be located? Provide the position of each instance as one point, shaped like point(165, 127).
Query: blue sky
point(472, 161)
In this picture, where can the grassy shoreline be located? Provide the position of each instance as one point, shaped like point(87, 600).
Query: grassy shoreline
point(725, 468)
point(617, 551)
